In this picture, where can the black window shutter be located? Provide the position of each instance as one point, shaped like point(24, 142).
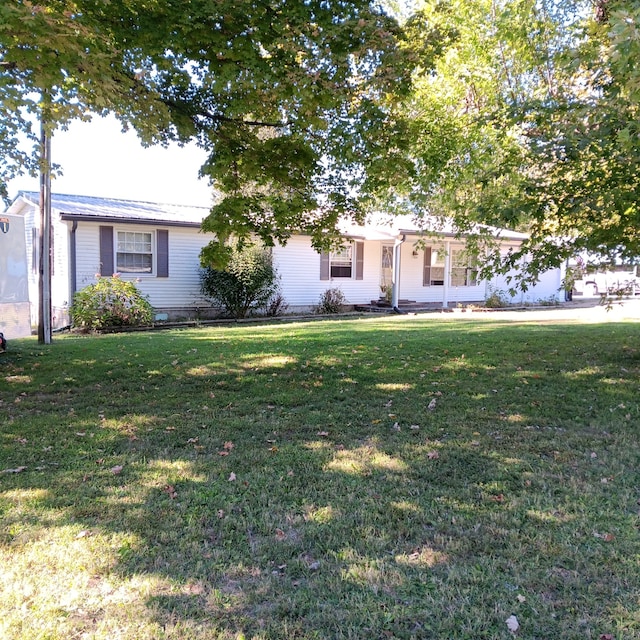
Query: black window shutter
point(162, 242)
point(106, 251)
point(359, 260)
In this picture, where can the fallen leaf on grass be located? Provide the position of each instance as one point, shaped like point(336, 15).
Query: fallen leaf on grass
point(521, 599)
point(324, 434)
point(116, 470)
point(16, 470)
point(512, 624)
point(607, 537)
point(433, 455)
point(232, 477)
point(280, 535)
point(220, 514)
point(223, 453)
point(84, 534)
point(171, 491)
point(227, 446)
point(606, 636)
point(499, 498)
point(432, 405)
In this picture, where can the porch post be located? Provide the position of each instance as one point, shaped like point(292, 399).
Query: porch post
point(447, 275)
point(395, 272)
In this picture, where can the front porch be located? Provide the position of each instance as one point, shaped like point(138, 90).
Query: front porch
point(411, 306)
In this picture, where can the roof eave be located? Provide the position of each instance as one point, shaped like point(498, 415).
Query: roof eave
point(500, 234)
point(156, 222)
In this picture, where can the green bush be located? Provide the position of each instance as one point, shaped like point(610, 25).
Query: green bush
point(110, 302)
point(248, 282)
point(331, 301)
point(496, 299)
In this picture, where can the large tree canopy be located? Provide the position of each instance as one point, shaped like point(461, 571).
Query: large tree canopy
point(293, 99)
point(511, 113)
point(530, 121)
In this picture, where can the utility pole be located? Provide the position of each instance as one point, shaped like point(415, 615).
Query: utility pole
point(44, 274)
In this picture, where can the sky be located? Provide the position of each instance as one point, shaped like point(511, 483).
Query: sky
point(97, 159)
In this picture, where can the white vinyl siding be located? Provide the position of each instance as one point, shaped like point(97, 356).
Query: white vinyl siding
point(181, 289)
point(298, 264)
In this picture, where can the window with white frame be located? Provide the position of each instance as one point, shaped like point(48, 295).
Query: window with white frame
point(341, 262)
point(134, 252)
point(344, 262)
point(433, 267)
point(464, 272)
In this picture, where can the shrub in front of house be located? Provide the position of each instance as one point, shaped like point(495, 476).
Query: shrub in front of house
point(110, 302)
point(248, 283)
point(496, 299)
point(331, 301)
point(276, 306)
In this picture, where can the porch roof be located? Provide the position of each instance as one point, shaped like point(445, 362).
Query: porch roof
point(390, 228)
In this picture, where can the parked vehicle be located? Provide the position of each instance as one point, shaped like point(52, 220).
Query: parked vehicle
point(619, 281)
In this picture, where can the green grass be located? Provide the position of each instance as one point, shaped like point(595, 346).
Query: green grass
point(291, 481)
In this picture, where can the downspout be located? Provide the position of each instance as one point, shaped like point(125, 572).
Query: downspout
point(72, 261)
point(395, 273)
point(447, 275)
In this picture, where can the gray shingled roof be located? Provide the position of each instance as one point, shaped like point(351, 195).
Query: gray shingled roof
point(90, 208)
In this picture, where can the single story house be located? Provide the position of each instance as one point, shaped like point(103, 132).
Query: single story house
point(159, 246)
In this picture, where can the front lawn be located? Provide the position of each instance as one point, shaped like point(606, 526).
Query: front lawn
point(379, 478)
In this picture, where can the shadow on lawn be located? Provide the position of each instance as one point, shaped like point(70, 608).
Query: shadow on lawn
point(342, 519)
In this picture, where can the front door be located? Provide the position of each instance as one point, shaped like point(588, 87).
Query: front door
point(386, 272)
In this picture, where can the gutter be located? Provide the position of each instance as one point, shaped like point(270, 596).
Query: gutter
point(73, 261)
